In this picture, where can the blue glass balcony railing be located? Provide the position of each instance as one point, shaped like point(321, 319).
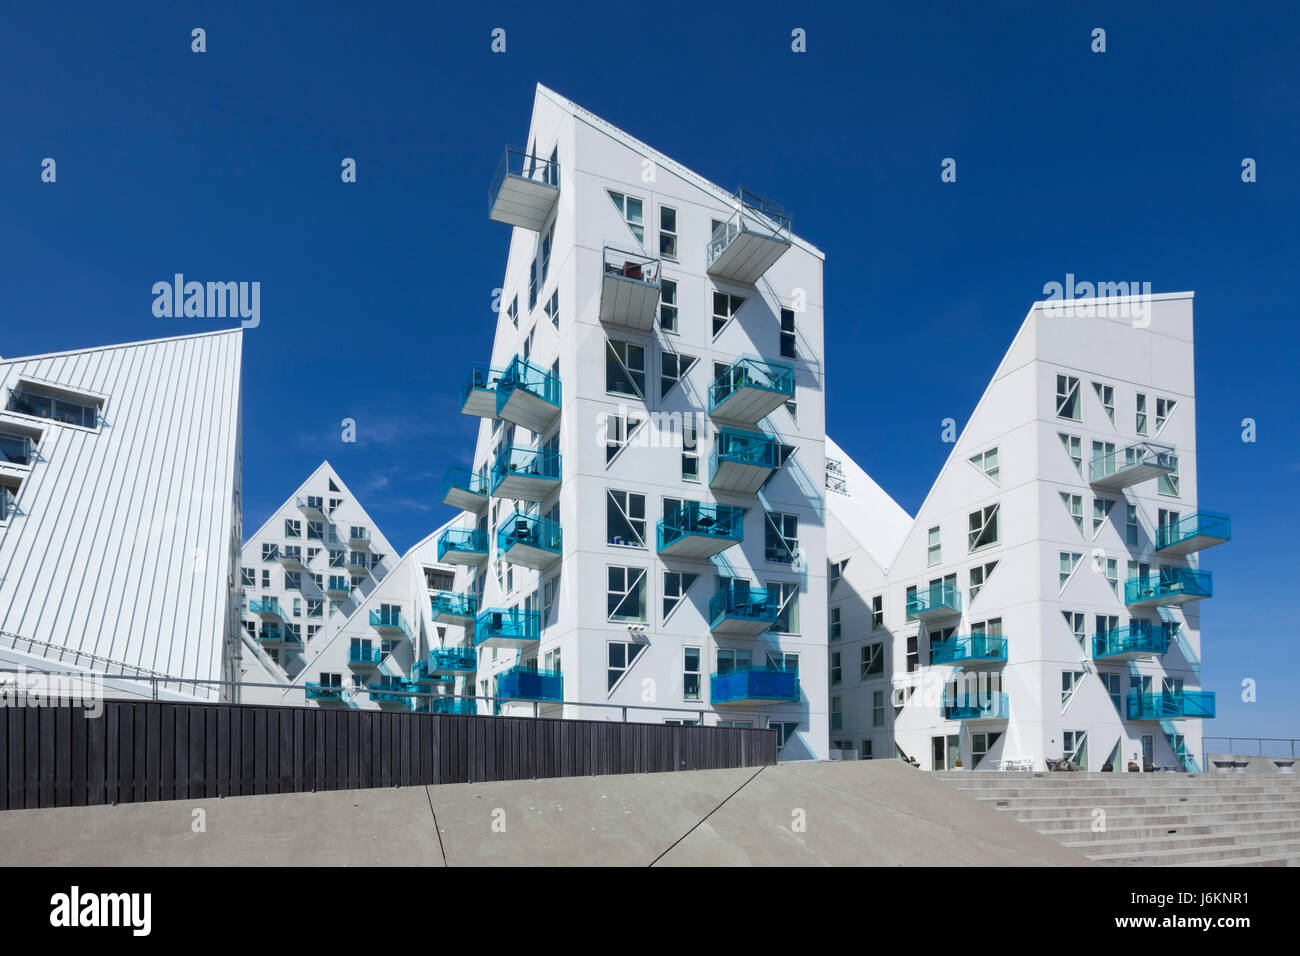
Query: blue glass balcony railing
point(755, 685)
point(532, 532)
point(1171, 586)
point(455, 705)
point(478, 393)
point(391, 692)
point(976, 706)
point(721, 524)
point(937, 600)
point(469, 542)
point(267, 607)
point(1194, 533)
point(1169, 705)
point(530, 683)
point(524, 375)
point(741, 603)
point(745, 448)
point(452, 605)
point(338, 586)
point(746, 376)
point(368, 656)
point(521, 393)
point(325, 692)
point(452, 660)
point(507, 626)
point(527, 473)
point(16, 449)
point(969, 649)
point(1139, 639)
point(390, 621)
point(462, 488)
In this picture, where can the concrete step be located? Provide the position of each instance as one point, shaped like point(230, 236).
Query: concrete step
point(1151, 814)
point(1085, 835)
point(1210, 855)
point(1289, 848)
point(1262, 861)
point(1248, 802)
point(1100, 849)
point(1084, 823)
point(1002, 793)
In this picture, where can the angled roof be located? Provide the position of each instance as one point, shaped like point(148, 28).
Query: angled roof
point(868, 514)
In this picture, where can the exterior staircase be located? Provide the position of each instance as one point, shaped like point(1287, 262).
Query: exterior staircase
point(1152, 819)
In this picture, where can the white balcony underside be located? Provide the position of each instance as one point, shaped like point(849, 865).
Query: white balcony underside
point(696, 546)
point(508, 642)
point(524, 408)
point(464, 500)
point(522, 202)
point(747, 404)
point(521, 486)
point(1195, 543)
point(628, 302)
point(1165, 600)
point(467, 559)
point(1127, 477)
point(740, 627)
point(530, 556)
point(933, 614)
point(740, 478)
point(481, 403)
point(451, 617)
point(1126, 656)
point(747, 257)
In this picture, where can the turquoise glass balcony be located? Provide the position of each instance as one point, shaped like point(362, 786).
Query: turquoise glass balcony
point(749, 389)
point(1196, 532)
point(1172, 586)
point(508, 628)
point(740, 608)
point(530, 683)
point(444, 664)
point(270, 635)
point(744, 246)
point(363, 656)
point(698, 530)
point(466, 546)
point(1140, 639)
point(338, 587)
point(742, 461)
point(478, 394)
point(1171, 705)
point(1131, 466)
point(525, 474)
point(267, 609)
point(970, 649)
point(530, 541)
point(629, 291)
point(391, 693)
point(359, 538)
point(448, 607)
point(934, 602)
point(455, 705)
point(976, 706)
point(464, 489)
point(326, 692)
point(524, 190)
point(389, 620)
point(528, 395)
point(754, 686)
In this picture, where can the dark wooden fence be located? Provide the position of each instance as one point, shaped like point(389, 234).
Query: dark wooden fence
point(149, 750)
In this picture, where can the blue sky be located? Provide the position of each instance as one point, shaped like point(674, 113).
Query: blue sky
point(377, 296)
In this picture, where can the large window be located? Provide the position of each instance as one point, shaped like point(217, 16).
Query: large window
point(877, 612)
point(1074, 505)
point(625, 518)
point(633, 212)
point(873, 660)
point(668, 305)
point(837, 671)
point(1106, 395)
point(624, 369)
point(782, 537)
point(32, 400)
point(978, 576)
point(618, 430)
point(724, 308)
point(676, 584)
point(1073, 446)
point(1140, 417)
point(1068, 562)
point(674, 366)
point(691, 673)
point(933, 554)
point(668, 232)
point(987, 462)
point(627, 594)
point(787, 618)
point(621, 656)
point(983, 528)
point(787, 333)
point(1067, 397)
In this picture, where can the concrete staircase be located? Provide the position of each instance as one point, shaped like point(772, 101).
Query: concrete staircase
point(1155, 819)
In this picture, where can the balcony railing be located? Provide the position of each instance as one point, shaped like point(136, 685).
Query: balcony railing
point(1196, 532)
point(935, 601)
point(391, 693)
point(1171, 586)
point(528, 395)
point(749, 389)
point(699, 530)
point(741, 461)
point(1132, 465)
point(755, 685)
point(524, 190)
point(8, 503)
point(312, 505)
point(531, 541)
point(739, 607)
point(390, 621)
point(744, 246)
point(451, 607)
point(502, 627)
point(362, 656)
point(462, 545)
point(338, 587)
point(629, 294)
point(327, 692)
point(455, 705)
point(530, 683)
point(54, 407)
point(267, 608)
point(1171, 705)
point(446, 663)
point(521, 473)
point(478, 393)
point(359, 538)
point(464, 489)
point(16, 449)
point(970, 649)
point(1138, 639)
point(976, 706)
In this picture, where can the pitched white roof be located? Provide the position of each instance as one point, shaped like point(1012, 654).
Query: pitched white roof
point(870, 516)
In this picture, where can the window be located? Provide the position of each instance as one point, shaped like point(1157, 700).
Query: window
point(626, 594)
point(1070, 681)
point(624, 369)
point(28, 399)
point(1074, 505)
point(618, 430)
point(547, 241)
point(877, 612)
point(787, 617)
point(621, 656)
point(266, 579)
point(1112, 574)
point(1111, 683)
point(1100, 512)
point(1168, 484)
point(979, 575)
point(248, 577)
point(724, 308)
point(1067, 397)
point(292, 580)
point(913, 657)
point(980, 745)
point(878, 708)
point(835, 624)
point(1106, 395)
point(1141, 415)
point(932, 551)
point(551, 661)
point(782, 661)
point(668, 305)
point(676, 584)
point(512, 312)
point(873, 660)
point(983, 528)
point(1073, 445)
point(787, 333)
point(668, 232)
point(532, 285)
point(673, 366)
point(785, 731)
point(312, 630)
point(836, 572)
point(1069, 561)
point(315, 607)
point(782, 537)
point(633, 212)
point(297, 607)
point(731, 660)
point(987, 462)
point(292, 528)
point(1164, 408)
point(270, 552)
point(624, 518)
point(690, 673)
point(549, 588)
point(552, 309)
point(837, 672)
point(1076, 622)
point(837, 716)
point(1131, 524)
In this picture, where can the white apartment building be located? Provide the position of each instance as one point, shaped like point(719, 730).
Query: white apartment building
point(642, 514)
point(120, 513)
point(1043, 602)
